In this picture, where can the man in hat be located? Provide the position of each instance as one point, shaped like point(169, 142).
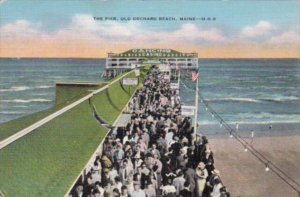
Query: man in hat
point(190, 175)
point(210, 167)
point(125, 171)
point(145, 175)
point(119, 154)
point(162, 144)
point(153, 150)
point(179, 181)
point(176, 146)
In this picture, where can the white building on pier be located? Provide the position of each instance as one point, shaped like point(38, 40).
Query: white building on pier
point(120, 62)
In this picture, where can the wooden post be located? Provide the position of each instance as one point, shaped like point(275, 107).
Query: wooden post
point(196, 110)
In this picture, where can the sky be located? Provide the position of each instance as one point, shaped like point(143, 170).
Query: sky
point(67, 28)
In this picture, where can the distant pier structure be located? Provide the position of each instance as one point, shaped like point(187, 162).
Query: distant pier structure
point(117, 63)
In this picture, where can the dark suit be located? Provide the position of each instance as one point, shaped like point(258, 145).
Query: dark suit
point(124, 176)
point(185, 193)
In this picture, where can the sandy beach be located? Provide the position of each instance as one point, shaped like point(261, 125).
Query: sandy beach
point(245, 176)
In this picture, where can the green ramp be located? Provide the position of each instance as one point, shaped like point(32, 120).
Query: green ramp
point(47, 161)
point(64, 96)
point(110, 103)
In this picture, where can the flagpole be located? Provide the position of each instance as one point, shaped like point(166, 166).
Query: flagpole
point(179, 71)
point(196, 106)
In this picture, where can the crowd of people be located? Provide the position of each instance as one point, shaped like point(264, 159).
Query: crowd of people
point(156, 154)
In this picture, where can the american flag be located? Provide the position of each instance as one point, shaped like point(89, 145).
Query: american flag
point(195, 75)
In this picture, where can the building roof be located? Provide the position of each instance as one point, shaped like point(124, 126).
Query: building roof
point(152, 53)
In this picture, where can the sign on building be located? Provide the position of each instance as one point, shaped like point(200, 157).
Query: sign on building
point(164, 67)
point(188, 110)
point(137, 72)
point(174, 86)
point(130, 81)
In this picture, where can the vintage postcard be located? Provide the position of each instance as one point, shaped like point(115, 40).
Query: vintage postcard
point(150, 98)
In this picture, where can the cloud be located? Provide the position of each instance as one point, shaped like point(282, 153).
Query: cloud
point(84, 27)
point(85, 36)
point(2, 1)
point(261, 28)
point(195, 34)
point(20, 29)
point(288, 37)
point(132, 30)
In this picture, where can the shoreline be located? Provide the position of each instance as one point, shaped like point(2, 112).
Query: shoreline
point(245, 176)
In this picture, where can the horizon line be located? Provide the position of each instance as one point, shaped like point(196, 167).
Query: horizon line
point(106, 57)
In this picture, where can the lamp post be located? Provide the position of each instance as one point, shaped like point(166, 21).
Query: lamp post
point(196, 106)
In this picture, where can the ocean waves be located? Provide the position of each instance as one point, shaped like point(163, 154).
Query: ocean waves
point(15, 89)
point(269, 116)
point(282, 99)
point(39, 100)
point(24, 88)
point(43, 87)
point(253, 118)
point(233, 99)
point(12, 112)
point(256, 100)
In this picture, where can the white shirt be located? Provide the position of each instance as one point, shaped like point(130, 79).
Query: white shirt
point(112, 175)
point(139, 193)
point(169, 137)
point(125, 139)
point(168, 189)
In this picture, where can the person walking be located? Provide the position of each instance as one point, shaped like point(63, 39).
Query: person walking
point(201, 175)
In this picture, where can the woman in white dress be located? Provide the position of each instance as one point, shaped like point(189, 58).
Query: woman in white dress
point(201, 175)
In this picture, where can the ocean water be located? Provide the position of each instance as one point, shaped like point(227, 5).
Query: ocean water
point(249, 92)
point(28, 85)
point(260, 91)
